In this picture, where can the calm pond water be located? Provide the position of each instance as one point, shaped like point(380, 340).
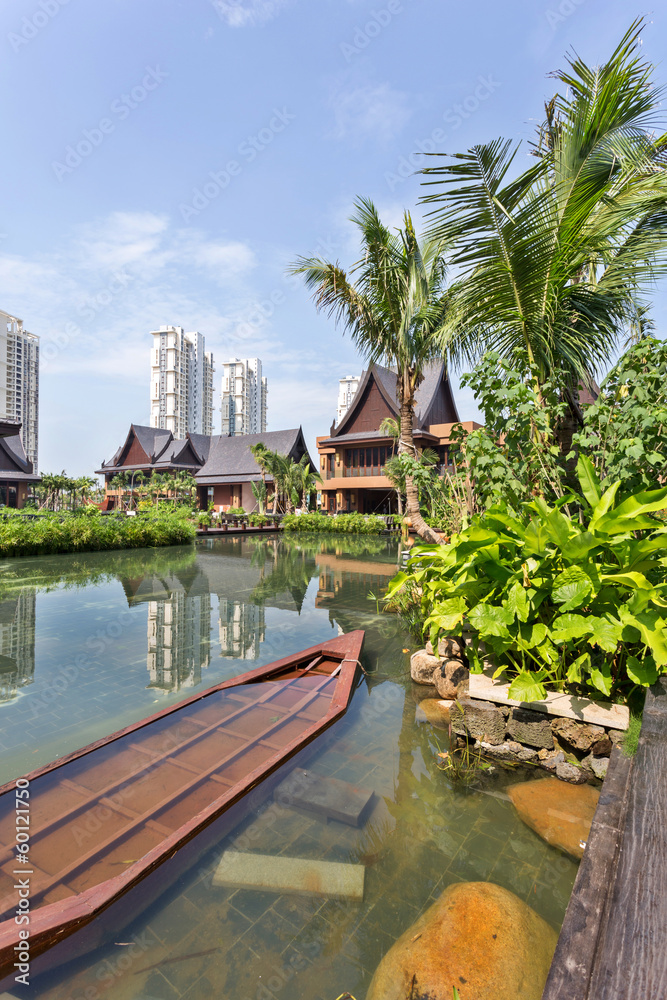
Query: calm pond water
point(93, 642)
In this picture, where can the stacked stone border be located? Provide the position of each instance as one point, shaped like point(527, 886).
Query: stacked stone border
point(572, 750)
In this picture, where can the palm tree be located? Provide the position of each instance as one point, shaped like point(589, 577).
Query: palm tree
point(397, 312)
point(551, 263)
point(392, 428)
point(259, 493)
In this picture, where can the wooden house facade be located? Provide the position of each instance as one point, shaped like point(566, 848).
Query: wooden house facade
point(353, 455)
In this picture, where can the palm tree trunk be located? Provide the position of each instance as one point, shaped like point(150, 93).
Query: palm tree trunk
point(406, 445)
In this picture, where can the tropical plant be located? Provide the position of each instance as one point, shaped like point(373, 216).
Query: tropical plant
point(395, 307)
point(259, 493)
point(551, 263)
point(341, 523)
point(625, 430)
point(576, 602)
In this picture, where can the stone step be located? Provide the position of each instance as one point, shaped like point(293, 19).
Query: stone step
point(269, 873)
point(327, 797)
point(483, 688)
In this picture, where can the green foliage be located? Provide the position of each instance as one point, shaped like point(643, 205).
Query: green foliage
point(235, 512)
point(356, 524)
point(570, 602)
point(258, 520)
point(625, 430)
point(64, 532)
point(632, 733)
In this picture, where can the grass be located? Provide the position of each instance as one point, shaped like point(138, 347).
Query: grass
point(631, 737)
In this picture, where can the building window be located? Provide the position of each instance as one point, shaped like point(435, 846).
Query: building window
point(366, 461)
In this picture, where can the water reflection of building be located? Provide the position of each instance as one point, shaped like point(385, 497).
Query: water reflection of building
point(348, 582)
point(242, 629)
point(179, 627)
point(17, 643)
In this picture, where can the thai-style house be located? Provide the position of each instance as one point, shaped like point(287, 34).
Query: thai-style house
point(223, 467)
point(352, 457)
point(16, 471)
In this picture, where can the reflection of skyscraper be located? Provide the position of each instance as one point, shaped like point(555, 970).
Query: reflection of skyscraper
point(178, 640)
point(17, 643)
point(242, 629)
point(179, 626)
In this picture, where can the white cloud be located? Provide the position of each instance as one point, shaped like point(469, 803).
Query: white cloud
point(369, 111)
point(249, 13)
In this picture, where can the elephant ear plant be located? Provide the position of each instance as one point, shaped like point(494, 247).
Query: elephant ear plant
point(572, 603)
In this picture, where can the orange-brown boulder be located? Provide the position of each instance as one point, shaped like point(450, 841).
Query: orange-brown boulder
point(478, 937)
point(560, 813)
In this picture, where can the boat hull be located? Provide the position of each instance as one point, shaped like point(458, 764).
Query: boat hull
point(322, 675)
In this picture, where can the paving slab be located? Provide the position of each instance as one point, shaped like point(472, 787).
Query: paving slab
point(270, 873)
point(327, 797)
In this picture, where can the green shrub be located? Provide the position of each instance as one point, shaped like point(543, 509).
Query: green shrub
point(83, 532)
point(235, 512)
point(576, 603)
point(355, 524)
point(258, 520)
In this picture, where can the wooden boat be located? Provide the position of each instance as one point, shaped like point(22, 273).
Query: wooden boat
point(103, 819)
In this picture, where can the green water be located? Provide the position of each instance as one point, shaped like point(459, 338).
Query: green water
point(91, 643)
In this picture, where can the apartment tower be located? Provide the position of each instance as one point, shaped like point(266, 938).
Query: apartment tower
point(347, 388)
point(181, 382)
point(19, 381)
point(244, 393)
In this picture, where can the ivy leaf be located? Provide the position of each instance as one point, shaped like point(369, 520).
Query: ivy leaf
point(527, 686)
point(489, 620)
point(571, 588)
point(601, 678)
point(516, 602)
point(643, 672)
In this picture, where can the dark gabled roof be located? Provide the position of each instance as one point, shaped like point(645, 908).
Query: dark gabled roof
point(13, 463)
point(201, 445)
point(230, 459)
point(162, 450)
point(434, 402)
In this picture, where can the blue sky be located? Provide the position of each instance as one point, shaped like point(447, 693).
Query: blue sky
point(165, 159)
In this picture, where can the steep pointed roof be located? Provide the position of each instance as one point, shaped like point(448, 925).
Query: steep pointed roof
point(376, 398)
point(13, 462)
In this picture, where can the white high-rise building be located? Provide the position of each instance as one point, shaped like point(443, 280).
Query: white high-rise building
point(181, 382)
point(19, 381)
point(244, 393)
point(346, 391)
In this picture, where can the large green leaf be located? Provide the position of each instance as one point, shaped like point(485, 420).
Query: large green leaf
point(569, 627)
point(490, 620)
point(516, 602)
point(604, 504)
point(588, 480)
point(606, 633)
point(653, 628)
point(643, 672)
point(572, 588)
point(527, 686)
point(601, 678)
point(448, 614)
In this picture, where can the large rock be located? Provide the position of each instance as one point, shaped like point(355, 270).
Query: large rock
point(531, 728)
point(508, 751)
point(479, 719)
point(577, 735)
point(451, 679)
point(560, 813)
point(449, 648)
point(478, 937)
point(422, 666)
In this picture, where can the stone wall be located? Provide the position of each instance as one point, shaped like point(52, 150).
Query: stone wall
point(573, 751)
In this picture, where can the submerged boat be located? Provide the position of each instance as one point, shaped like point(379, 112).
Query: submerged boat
point(105, 818)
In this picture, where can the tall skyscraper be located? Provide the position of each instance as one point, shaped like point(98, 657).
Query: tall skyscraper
point(19, 381)
point(244, 393)
point(181, 382)
point(346, 392)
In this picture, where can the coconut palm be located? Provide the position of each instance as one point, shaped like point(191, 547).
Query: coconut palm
point(395, 307)
point(551, 263)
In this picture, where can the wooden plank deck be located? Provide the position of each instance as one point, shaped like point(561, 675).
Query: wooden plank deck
point(613, 945)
